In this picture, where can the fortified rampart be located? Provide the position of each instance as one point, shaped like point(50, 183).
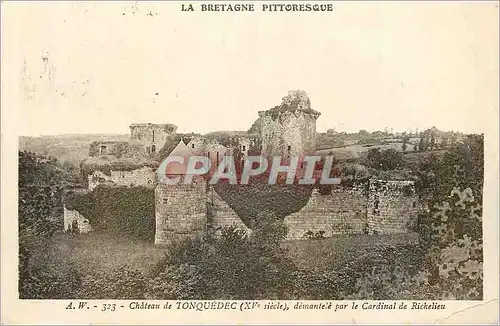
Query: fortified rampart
point(185, 210)
point(114, 148)
point(189, 209)
point(342, 211)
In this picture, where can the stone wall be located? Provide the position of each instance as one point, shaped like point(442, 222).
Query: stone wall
point(114, 148)
point(70, 216)
point(153, 136)
point(181, 211)
point(392, 207)
point(221, 215)
point(289, 134)
point(197, 145)
point(289, 129)
point(374, 207)
point(342, 211)
point(145, 176)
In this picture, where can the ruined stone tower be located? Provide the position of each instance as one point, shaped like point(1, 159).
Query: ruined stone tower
point(180, 209)
point(151, 136)
point(289, 129)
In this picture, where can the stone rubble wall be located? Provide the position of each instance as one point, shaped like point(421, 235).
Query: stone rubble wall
point(145, 176)
point(223, 215)
point(181, 211)
point(186, 210)
point(392, 207)
point(343, 211)
point(70, 216)
point(295, 129)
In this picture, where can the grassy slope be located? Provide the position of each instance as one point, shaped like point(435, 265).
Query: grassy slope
point(97, 252)
point(321, 253)
point(357, 151)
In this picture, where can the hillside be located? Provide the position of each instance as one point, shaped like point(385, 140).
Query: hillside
point(66, 148)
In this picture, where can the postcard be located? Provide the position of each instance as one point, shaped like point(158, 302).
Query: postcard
point(249, 162)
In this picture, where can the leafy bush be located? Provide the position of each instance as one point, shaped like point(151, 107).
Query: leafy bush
point(388, 159)
point(232, 266)
point(319, 235)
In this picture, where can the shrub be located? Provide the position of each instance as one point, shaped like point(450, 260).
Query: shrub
point(259, 198)
point(232, 266)
point(388, 159)
point(314, 235)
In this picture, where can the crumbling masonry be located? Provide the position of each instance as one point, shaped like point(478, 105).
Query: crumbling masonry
point(369, 207)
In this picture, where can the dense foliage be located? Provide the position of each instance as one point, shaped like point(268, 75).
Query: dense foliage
point(42, 183)
point(388, 159)
point(122, 211)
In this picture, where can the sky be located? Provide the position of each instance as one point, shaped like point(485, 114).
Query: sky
point(92, 67)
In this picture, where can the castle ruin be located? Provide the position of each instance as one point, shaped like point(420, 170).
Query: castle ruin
point(151, 136)
point(290, 128)
point(184, 210)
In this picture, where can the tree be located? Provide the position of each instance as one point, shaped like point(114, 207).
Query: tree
point(363, 133)
point(406, 139)
point(432, 145)
point(388, 159)
point(74, 229)
point(423, 144)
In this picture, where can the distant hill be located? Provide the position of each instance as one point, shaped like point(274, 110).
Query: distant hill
point(66, 148)
point(231, 133)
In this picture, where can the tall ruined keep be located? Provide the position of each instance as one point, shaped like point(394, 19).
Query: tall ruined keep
point(289, 129)
point(151, 136)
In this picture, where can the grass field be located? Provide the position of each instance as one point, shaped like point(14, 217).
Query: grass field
point(98, 252)
point(93, 252)
point(320, 253)
point(356, 151)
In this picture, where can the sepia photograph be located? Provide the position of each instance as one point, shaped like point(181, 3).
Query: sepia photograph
point(314, 156)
